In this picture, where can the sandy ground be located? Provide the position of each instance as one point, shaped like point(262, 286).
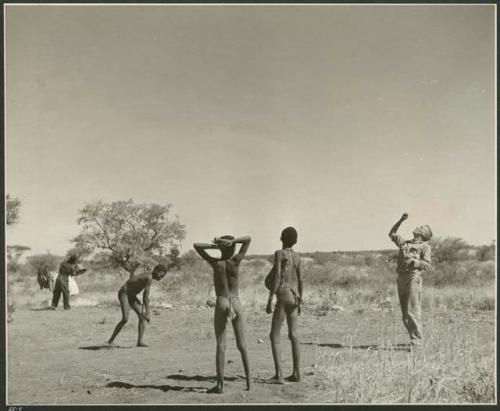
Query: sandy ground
point(59, 357)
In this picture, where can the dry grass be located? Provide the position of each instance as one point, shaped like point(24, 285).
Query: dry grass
point(364, 282)
point(455, 365)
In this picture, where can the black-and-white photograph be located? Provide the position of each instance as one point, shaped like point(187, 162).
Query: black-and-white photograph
point(250, 204)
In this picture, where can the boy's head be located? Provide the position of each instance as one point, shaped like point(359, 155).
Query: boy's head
point(227, 252)
point(423, 233)
point(289, 237)
point(159, 272)
point(72, 259)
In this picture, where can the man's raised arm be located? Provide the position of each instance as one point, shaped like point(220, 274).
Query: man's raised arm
point(200, 249)
point(245, 244)
point(392, 234)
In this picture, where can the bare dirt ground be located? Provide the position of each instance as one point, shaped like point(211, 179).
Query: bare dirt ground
point(59, 357)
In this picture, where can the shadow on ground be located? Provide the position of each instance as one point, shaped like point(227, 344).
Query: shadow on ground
point(100, 347)
point(48, 308)
point(181, 377)
point(397, 347)
point(164, 388)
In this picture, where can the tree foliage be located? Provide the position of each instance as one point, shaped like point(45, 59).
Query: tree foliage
point(14, 252)
point(486, 252)
point(81, 252)
point(131, 235)
point(13, 206)
point(50, 260)
point(449, 249)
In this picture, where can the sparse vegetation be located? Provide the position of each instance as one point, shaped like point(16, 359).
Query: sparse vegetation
point(129, 235)
point(12, 207)
point(359, 283)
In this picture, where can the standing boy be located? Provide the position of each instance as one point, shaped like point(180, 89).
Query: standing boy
point(227, 306)
point(127, 295)
point(414, 257)
point(287, 286)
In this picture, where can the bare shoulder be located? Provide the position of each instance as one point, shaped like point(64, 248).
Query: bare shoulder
point(143, 278)
point(296, 258)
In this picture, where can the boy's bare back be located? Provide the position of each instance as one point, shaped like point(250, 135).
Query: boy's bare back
point(230, 270)
point(137, 283)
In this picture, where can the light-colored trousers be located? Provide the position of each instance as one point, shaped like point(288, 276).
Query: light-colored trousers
point(410, 298)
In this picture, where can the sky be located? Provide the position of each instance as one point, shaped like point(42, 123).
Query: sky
point(334, 119)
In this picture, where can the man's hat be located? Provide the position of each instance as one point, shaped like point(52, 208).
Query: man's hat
point(424, 231)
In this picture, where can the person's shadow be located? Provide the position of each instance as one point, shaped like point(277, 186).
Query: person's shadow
point(181, 377)
point(164, 388)
point(48, 308)
point(100, 347)
point(396, 347)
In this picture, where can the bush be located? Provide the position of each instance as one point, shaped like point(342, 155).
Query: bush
point(486, 252)
point(449, 249)
point(463, 273)
point(51, 261)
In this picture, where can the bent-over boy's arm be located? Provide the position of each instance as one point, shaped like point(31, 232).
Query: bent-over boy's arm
point(145, 299)
point(200, 249)
point(245, 244)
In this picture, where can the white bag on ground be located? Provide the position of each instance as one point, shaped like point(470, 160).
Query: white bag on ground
point(73, 286)
point(53, 278)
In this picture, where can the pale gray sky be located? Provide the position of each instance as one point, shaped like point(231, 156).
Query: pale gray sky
point(334, 119)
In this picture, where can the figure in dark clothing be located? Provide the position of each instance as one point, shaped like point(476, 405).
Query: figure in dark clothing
point(43, 276)
point(66, 269)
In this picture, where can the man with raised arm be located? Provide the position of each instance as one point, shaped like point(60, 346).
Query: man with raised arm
point(228, 305)
point(127, 296)
point(414, 257)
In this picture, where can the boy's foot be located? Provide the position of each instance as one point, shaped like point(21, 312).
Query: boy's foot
point(249, 386)
point(142, 345)
point(292, 378)
point(111, 344)
point(52, 308)
point(215, 390)
point(276, 380)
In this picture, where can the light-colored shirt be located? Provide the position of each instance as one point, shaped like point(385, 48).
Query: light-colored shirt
point(414, 256)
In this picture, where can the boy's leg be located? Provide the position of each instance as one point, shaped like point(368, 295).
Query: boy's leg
point(220, 321)
point(415, 310)
point(136, 306)
point(56, 295)
point(291, 319)
point(239, 333)
point(125, 311)
point(277, 321)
